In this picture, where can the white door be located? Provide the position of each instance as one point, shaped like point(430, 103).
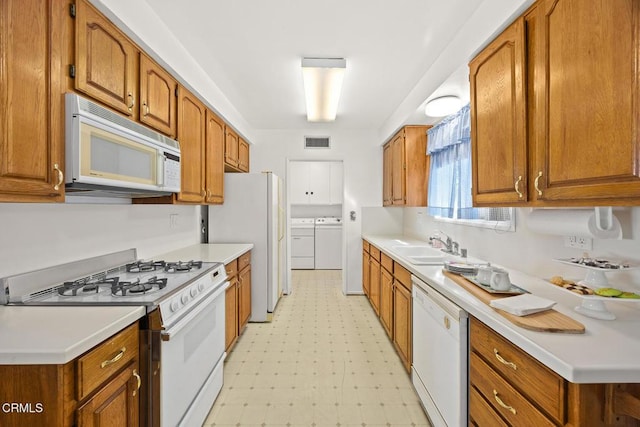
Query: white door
point(299, 183)
point(319, 183)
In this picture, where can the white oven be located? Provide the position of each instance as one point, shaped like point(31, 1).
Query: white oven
point(192, 355)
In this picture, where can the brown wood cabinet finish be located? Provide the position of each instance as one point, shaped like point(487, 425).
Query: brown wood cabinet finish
point(569, 68)
point(31, 151)
point(157, 97)
point(191, 134)
point(214, 159)
point(230, 149)
point(238, 298)
point(374, 284)
point(407, 167)
point(243, 155)
point(499, 147)
point(231, 313)
point(244, 297)
point(106, 61)
point(366, 280)
point(386, 301)
point(402, 323)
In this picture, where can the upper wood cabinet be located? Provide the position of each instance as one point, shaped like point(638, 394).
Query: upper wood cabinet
point(499, 148)
point(406, 168)
point(214, 159)
point(106, 61)
point(191, 135)
point(157, 97)
point(31, 101)
point(554, 105)
point(236, 152)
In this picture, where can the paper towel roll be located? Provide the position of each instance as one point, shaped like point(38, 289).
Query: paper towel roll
point(572, 222)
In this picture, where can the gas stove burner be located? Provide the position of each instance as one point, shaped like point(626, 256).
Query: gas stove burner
point(143, 266)
point(136, 287)
point(71, 289)
point(181, 267)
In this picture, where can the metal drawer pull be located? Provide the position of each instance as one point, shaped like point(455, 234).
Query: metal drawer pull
point(115, 358)
point(135, 374)
point(56, 167)
point(517, 186)
point(501, 403)
point(503, 361)
point(132, 101)
point(535, 183)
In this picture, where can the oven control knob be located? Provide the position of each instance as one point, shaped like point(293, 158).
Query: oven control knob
point(184, 298)
point(194, 292)
point(174, 305)
point(201, 287)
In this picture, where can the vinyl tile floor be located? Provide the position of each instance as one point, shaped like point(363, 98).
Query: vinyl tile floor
point(324, 360)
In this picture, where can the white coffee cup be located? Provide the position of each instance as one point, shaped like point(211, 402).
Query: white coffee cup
point(484, 274)
point(500, 280)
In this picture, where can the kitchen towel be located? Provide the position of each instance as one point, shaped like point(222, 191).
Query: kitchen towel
point(522, 305)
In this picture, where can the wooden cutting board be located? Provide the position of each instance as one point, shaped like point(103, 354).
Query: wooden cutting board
point(544, 321)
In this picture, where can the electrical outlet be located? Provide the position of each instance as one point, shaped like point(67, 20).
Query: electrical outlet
point(578, 242)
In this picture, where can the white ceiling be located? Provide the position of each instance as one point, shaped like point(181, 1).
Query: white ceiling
point(398, 53)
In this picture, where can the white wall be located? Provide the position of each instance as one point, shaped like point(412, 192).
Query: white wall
point(35, 236)
point(362, 156)
point(533, 253)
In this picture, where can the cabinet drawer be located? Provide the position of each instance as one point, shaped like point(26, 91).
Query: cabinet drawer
point(99, 364)
point(375, 252)
point(232, 268)
point(365, 246)
point(244, 260)
point(402, 275)
point(506, 400)
point(481, 413)
point(386, 262)
point(526, 374)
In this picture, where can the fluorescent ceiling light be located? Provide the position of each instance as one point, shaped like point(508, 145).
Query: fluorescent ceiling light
point(322, 85)
point(443, 106)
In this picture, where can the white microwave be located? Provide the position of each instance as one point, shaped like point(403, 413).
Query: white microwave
point(110, 154)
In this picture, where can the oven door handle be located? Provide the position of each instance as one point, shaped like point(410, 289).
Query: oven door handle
point(187, 318)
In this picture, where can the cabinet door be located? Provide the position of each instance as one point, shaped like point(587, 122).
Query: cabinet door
point(398, 190)
point(244, 297)
point(498, 120)
point(231, 314)
point(116, 404)
point(366, 284)
point(402, 318)
point(214, 159)
point(587, 94)
point(386, 301)
point(106, 61)
point(374, 282)
point(230, 147)
point(387, 176)
point(31, 104)
point(299, 183)
point(319, 182)
point(157, 97)
point(243, 155)
point(191, 127)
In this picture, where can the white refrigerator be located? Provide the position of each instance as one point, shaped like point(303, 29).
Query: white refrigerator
point(253, 213)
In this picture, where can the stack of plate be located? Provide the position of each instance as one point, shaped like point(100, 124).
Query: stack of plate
point(461, 268)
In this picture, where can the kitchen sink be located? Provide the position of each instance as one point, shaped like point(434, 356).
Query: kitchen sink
point(427, 259)
point(421, 254)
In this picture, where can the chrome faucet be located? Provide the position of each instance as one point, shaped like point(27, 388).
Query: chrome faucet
point(450, 246)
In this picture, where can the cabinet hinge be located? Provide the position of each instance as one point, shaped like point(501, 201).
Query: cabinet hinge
point(72, 71)
point(72, 10)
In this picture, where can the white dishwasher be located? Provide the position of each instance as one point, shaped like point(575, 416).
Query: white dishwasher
point(440, 356)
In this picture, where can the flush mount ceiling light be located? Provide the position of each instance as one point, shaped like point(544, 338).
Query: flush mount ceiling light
point(322, 85)
point(443, 106)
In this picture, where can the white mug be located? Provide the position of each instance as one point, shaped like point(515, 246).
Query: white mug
point(484, 274)
point(500, 280)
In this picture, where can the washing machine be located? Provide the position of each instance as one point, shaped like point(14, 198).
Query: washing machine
point(328, 243)
point(303, 243)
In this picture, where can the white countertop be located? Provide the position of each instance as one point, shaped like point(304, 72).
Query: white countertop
point(56, 335)
point(209, 252)
point(608, 351)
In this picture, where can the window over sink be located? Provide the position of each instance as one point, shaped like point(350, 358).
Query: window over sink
point(449, 195)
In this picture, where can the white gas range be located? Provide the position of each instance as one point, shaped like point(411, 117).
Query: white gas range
point(182, 336)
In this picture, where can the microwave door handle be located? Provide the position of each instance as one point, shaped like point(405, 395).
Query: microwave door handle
point(161, 165)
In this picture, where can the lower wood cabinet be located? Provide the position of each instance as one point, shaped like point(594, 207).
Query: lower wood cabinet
point(509, 387)
point(402, 323)
point(238, 298)
point(366, 284)
point(99, 388)
point(386, 301)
